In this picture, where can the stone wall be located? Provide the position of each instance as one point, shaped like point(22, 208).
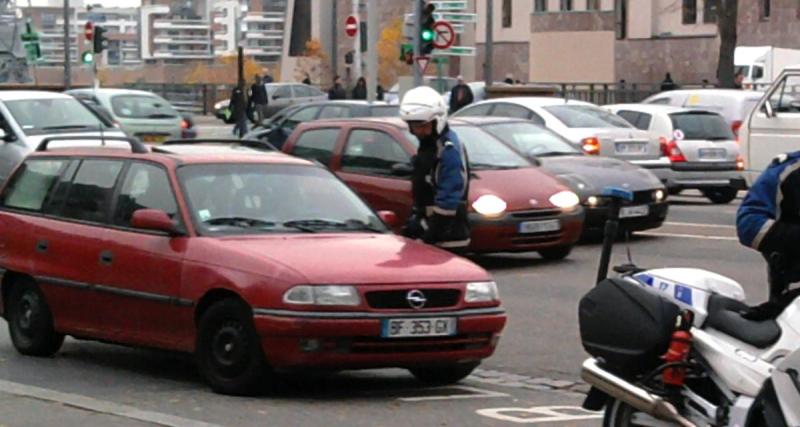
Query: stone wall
point(508, 58)
point(689, 59)
point(781, 30)
point(572, 21)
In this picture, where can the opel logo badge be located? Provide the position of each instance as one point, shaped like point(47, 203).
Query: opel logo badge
point(416, 299)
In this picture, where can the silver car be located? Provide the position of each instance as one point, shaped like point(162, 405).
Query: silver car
point(700, 146)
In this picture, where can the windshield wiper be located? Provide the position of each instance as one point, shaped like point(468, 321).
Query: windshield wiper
point(319, 223)
point(718, 138)
point(239, 221)
point(161, 116)
point(489, 166)
point(64, 127)
point(557, 153)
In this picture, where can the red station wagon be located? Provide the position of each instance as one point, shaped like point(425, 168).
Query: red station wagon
point(251, 260)
point(513, 206)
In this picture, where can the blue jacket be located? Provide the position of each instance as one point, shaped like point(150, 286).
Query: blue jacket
point(769, 218)
point(450, 178)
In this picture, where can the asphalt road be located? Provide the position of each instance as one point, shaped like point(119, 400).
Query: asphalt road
point(532, 379)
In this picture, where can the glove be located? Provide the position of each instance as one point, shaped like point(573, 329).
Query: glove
point(413, 228)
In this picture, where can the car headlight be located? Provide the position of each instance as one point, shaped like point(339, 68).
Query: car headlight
point(322, 295)
point(565, 199)
point(481, 292)
point(659, 195)
point(489, 205)
point(593, 201)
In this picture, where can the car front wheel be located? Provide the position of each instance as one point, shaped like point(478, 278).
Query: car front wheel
point(443, 374)
point(721, 195)
point(30, 322)
point(555, 254)
point(228, 351)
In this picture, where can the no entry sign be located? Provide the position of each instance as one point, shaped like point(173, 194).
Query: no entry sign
point(351, 26)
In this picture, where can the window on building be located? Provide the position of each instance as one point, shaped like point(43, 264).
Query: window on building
point(710, 11)
point(689, 12)
point(766, 7)
point(621, 18)
point(592, 4)
point(541, 6)
point(507, 13)
point(566, 5)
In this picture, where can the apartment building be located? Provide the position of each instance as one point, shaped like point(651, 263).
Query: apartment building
point(173, 35)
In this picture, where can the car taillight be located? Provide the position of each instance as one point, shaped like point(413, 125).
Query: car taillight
point(185, 124)
point(739, 163)
point(663, 144)
point(674, 153)
point(591, 145)
point(735, 127)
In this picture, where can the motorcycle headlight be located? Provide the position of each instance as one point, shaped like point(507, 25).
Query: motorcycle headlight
point(565, 199)
point(481, 292)
point(322, 295)
point(489, 205)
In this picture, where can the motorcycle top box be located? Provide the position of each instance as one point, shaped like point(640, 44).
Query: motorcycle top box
point(626, 326)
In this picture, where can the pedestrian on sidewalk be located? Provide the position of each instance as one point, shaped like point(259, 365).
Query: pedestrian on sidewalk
point(267, 77)
point(259, 100)
point(460, 96)
point(668, 83)
point(337, 91)
point(509, 79)
point(238, 107)
point(307, 80)
point(360, 90)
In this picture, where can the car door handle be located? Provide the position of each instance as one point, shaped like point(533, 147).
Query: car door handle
point(41, 246)
point(106, 257)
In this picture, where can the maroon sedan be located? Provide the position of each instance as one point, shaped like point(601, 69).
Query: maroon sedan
point(513, 205)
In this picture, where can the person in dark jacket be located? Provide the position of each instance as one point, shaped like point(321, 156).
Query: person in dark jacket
point(360, 90)
point(440, 177)
point(238, 107)
point(509, 79)
point(267, 78)
point(307, 80)
point(337, 91)
point(460, 96)
point(379, 93)
point(668, 83)
point(259, 100)
point(768, 221)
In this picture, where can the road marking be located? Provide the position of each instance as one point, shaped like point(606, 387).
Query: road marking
point(473, 393)
point(98, 406)
point(687, 236)
point(540, 414)
point(700, 225)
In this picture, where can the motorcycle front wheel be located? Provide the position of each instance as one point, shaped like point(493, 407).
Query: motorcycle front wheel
point(620, 414)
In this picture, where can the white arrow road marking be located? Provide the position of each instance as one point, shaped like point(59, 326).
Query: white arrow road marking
point(473, 393)
point(540, 414)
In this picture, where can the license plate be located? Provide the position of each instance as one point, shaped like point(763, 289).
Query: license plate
point(634, 211)
point(630, 148)
point(423, 327)
point(154, 138)
point(712, 153)
point(539, 226)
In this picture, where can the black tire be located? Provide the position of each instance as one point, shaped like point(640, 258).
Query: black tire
point(228, 350)
point(619, 414)
point(721, 195)
point(674, 191)
point(443, 374)
point(30, 322)
point(555, 254)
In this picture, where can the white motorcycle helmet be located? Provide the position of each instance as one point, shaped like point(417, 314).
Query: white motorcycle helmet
point(423, 104)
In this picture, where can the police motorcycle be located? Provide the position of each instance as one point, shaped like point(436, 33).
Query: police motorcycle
point(670, 347)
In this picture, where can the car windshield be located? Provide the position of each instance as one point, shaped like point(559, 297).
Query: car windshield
point(486, 152)
point(530, 139)
point(698, 125)
point(230, 198)
point(385, 111)
point(56, 115)
point(142, 107)
point(586, 116)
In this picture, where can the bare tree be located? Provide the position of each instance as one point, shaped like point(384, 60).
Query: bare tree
point(727, 11)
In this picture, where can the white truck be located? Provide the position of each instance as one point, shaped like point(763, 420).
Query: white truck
point(773, 127)
point(761, 65)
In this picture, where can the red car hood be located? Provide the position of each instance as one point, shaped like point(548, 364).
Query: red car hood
point(352, 258)
point(522, 189)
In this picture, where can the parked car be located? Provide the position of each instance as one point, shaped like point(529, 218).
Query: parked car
point(513, 206)
point(586, 175)
point(29, 117)
point(442, 85)
point(277, 130)
point(585, 125)
point(701, 148)
point(281, 95)
point(140, 114)
point(734, 105)
point(773, 127)
point(205, 249)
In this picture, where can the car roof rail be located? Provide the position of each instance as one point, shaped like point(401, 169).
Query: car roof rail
point(249, 143)
point(136, 145)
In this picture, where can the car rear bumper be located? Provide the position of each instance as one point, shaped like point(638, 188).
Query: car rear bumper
point(353, 340)
point(699, 178)
point(502, 234)
point(596, 218)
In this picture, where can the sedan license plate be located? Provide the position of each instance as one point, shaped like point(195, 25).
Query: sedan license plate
point(155, 139)
point(712, 153)
point(630, 148)
point(539, 226)
point(423, 327)
point(634, 211)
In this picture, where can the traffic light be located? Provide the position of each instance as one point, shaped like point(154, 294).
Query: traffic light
point(87, 57)
point(99, 39)
point(348, 57)
point(427, 33)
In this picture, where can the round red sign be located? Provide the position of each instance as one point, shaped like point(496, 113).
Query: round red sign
point(351, 26)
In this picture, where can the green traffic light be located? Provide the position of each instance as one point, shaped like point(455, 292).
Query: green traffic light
point(87, 57)
point(427, 35)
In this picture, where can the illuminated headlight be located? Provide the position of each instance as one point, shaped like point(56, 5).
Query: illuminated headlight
point(322, 295)
point(593, 201)
point(489, 205)
point(481, 292)
point(565, 199)
point(659, 195)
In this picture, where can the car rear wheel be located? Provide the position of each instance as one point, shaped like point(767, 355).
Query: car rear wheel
point(228, 351)
point(555, 254)
point(443, 374)
point(721, 195)
point(30, 322)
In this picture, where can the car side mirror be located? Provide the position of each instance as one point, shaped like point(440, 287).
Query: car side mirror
point(402, 169)
point(768, 110)
point(155, 220)
point(388, 217)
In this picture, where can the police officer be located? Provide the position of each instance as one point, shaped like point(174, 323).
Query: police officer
point(440, 178)
point(769, 221)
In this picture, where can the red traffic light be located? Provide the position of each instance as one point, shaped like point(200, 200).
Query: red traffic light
point(88, 30)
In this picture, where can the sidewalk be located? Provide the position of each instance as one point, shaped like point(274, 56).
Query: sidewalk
point(18, 411)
